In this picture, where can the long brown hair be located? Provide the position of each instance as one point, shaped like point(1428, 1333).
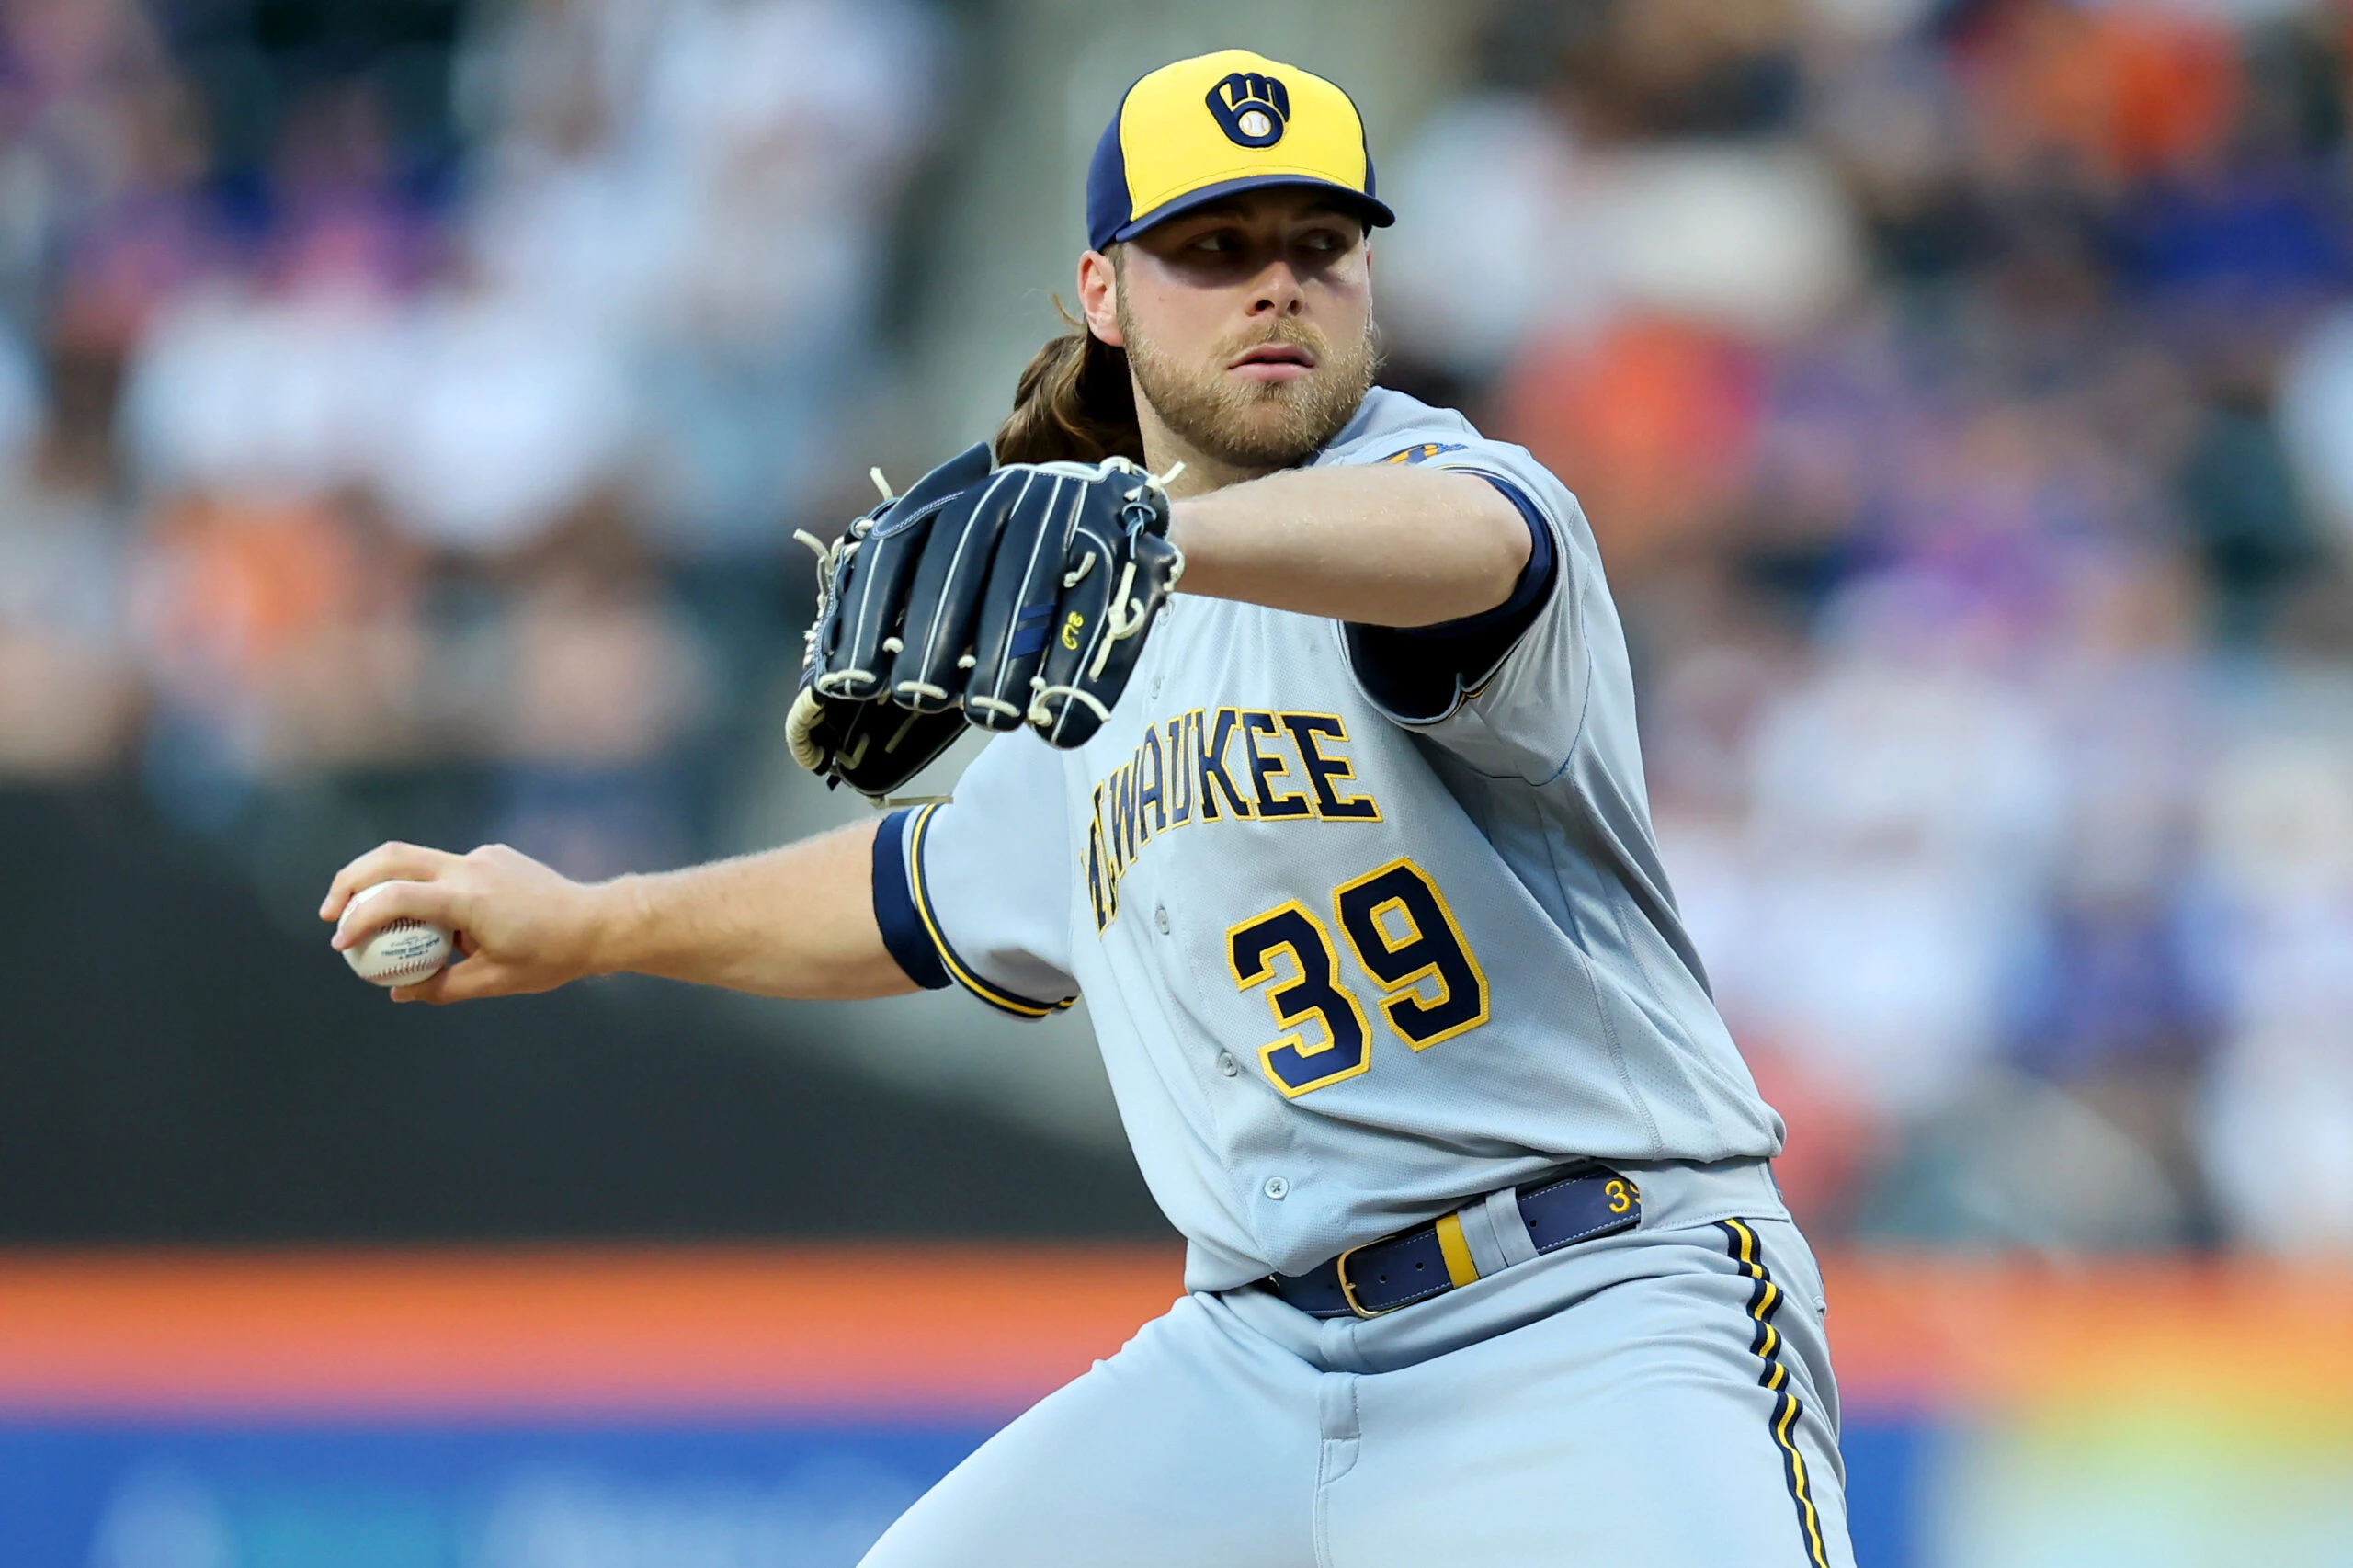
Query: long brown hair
point(1074, 403)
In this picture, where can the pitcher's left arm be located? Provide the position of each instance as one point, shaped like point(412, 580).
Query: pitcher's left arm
point(1370, 544)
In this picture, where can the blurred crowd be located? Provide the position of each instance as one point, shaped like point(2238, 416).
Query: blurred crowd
point(1961, 393)
point(407, 387)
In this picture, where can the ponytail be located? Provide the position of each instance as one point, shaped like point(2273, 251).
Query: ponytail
point(1074, 403)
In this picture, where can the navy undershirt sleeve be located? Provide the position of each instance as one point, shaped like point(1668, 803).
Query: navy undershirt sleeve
point(1416, 672)
point(894, 907)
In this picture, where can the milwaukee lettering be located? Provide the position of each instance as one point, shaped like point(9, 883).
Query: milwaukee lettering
point(1221, 765)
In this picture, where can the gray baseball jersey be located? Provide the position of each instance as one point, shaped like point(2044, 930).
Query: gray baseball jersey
point(1349, 966)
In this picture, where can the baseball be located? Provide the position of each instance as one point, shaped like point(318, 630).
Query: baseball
point(401, 953)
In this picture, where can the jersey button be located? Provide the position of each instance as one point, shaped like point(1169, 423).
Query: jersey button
point(1160, 918)
point(1277, 1188)
point(1227, 1065)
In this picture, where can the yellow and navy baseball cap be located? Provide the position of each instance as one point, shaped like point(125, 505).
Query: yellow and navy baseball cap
point(1205, 127)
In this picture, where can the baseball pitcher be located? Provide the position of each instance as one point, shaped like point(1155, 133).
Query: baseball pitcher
point(1314, 770)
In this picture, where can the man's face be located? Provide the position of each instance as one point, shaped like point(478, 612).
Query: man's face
point(1248, 324)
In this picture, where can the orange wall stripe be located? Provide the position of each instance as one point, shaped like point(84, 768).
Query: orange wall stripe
point(568, 1333)
point(2257, 1336)
point(981, 1331)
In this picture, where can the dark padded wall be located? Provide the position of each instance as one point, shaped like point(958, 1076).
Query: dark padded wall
point(173, 1066)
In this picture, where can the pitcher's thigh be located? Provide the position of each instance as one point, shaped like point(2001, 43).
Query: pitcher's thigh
point(1634, 1427)
point(1191, 1446)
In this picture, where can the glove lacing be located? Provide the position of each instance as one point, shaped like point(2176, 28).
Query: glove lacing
point(1124, 617)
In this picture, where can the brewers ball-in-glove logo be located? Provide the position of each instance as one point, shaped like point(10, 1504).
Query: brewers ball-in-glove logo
point(1251, 108)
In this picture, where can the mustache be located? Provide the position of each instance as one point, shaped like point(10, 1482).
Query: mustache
point(1293, 333)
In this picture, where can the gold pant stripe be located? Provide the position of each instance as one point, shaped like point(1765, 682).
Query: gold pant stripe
point(1763, 1301)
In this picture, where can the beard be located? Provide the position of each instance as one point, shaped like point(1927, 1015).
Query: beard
point(1254, 424)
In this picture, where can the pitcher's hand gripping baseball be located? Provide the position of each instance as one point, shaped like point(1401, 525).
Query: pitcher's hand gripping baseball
point(1021, 597)
point(520, 928)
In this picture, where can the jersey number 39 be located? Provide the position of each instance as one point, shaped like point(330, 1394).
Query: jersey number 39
point(1402, 934)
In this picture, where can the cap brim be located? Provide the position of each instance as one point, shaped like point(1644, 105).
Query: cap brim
point(1375, 213)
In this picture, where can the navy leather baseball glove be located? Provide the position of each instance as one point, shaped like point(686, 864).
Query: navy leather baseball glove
point(1005, 599)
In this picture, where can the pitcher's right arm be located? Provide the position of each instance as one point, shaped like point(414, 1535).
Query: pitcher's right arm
point(795, 922)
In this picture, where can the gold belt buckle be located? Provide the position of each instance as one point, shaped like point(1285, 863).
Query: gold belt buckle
point(1349, 1291)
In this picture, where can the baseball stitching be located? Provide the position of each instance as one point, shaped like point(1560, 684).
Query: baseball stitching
point(414, 962)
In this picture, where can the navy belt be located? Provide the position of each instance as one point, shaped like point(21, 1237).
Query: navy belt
point(1429, 1260)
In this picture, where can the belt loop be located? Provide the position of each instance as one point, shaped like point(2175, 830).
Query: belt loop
point(1479, 1235)
point(1511, 1230)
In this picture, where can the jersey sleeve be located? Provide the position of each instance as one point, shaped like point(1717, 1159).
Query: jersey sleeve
point(1419, 673)
point(1506, 690)
point(977, 892)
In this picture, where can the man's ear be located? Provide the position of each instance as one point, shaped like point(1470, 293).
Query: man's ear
point(1098, 297)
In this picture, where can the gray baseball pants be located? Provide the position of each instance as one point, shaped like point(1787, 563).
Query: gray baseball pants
point(1661, 1398)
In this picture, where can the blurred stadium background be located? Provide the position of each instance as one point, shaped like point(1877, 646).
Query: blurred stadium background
point(404, 409)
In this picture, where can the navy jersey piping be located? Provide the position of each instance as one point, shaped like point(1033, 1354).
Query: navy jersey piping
point(894, 907)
